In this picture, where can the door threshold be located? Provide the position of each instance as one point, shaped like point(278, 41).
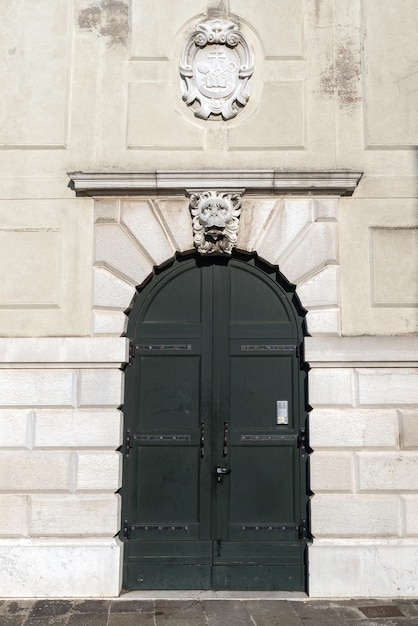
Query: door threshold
point(186, 594)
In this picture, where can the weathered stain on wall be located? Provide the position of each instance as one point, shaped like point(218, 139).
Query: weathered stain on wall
point(109, 18)
point(342, 78)
point(317, 9)
point(217, 8)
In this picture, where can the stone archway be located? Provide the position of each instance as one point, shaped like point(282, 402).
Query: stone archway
point(290, 220)
point(142, 221)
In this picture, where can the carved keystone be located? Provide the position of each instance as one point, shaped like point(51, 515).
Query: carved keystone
point(216, 68)
point(215, 218)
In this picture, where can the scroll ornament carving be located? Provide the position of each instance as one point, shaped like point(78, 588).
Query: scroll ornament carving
point(215, 218)
point(216, 69)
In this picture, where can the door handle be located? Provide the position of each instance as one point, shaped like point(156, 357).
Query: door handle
point(202, 440)
point(221, 472)
point(225, 447)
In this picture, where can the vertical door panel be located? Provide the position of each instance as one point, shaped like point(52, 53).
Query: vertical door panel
point(262, 491)
point(168, 485)
point(169, 393)
point(167, 498)
point(257, 382)
point(258, 539)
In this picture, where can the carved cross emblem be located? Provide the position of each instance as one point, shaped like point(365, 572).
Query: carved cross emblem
point(216, 75)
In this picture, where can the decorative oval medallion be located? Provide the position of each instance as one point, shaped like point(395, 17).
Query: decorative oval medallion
point(216, 69)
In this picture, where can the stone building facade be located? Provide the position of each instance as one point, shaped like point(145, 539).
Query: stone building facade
point(101, 148)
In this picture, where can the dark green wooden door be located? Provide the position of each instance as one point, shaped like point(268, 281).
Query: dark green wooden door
point(214, 490)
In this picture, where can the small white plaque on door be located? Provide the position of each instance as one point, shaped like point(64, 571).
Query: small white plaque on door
point(282, 412)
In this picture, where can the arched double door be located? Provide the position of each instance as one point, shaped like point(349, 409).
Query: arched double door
point(214, 491)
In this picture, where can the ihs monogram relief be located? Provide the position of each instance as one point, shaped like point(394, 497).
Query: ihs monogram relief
point(215, 221)
point(216, 69)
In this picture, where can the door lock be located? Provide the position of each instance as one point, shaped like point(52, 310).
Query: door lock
point(221, 472)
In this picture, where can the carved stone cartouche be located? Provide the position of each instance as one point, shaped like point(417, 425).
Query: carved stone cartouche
point(216, 69)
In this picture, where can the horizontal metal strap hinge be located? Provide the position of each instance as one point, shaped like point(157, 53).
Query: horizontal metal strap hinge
point(269, 438)
point(300, 439)
point(157, 347)
point(300, 528)
point(131, 438)
point(128, 528)
point(264, 347)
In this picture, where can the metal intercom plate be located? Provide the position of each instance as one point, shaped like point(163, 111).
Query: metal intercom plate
point(282, 416)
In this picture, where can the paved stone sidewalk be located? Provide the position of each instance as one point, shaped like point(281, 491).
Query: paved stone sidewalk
point(208, 613)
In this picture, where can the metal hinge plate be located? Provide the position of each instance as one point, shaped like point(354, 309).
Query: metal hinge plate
point(132, 352)
point(303, 530)
point(126, 530)
point(128, 443)
point(302, 443)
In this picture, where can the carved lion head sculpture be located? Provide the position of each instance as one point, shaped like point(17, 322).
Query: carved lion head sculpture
point(215, 221)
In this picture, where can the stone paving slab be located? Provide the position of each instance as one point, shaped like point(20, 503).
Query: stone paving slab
point(204, 612)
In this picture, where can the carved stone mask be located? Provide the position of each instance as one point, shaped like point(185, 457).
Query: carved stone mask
point(215, 221)
point(214, 215)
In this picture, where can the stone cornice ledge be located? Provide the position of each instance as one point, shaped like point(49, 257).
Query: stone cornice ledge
point(401, 350)
point(273, 182)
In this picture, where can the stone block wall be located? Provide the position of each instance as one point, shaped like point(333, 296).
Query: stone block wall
point(364, 469)
point(60, 428)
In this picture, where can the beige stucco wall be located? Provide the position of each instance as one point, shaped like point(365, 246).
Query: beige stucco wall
point(93, 85)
